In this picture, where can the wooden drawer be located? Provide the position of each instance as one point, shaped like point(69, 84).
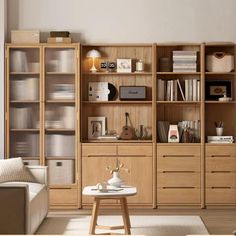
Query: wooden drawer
point(178, 151)
point(221, 151)
point(221, 179)
point(173, 179)
point(178, 164)
point(63, 196)
point(99, 150)
point(135, 150)
point(220, 164)
point(178, 196)
point(221, 196)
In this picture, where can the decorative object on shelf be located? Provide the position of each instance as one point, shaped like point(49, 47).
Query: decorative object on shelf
point(141, 132)
point(124, 65)
point(219, 128)
point(189, 131)
point(116, 181)
point(165, 64)
point(139, 66)
point(96, 127)
point(59, 37)
point(127, 131)
point(225, 99)
point(162, 131)
point(220, 62)
point(217, 89)
point(19, 62)
point(132, 92)
point(93, 54)
point(101, 91)
point(173, 134)
point(108, 66)
point(184, 61)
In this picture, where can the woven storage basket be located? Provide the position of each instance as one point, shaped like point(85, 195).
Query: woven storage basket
point(61, 171)
point(220, 62)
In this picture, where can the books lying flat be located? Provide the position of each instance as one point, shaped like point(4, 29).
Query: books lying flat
point(220, 139)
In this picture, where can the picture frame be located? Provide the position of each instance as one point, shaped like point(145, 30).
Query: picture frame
point(96, 127)
point(217, 89)
point(124, 65)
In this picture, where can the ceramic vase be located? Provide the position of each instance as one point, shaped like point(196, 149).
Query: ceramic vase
point(115, 181)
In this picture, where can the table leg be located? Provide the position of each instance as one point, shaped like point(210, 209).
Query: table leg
point(93, 222)
point(125, 215)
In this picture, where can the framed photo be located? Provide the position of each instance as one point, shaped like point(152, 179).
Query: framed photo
point(124, 65)
point(96, 127)
point(217, 89)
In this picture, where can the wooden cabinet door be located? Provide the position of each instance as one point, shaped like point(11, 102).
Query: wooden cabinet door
point(140, 176)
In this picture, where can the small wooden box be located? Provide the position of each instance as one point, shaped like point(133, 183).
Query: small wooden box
point(59, 40)
point(25, 36)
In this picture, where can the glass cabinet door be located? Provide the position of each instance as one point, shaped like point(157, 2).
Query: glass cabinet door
point(60, 113)
point(23, 95)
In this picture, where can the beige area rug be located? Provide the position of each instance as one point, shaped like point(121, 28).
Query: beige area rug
point(141, 225)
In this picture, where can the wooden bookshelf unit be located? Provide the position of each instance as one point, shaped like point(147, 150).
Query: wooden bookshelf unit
point(180, 90)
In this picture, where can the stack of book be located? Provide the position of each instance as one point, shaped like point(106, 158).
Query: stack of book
point(184, 61)
point(220, 139)
point(192, 90)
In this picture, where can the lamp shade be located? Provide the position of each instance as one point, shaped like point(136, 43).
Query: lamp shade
point(93, 53)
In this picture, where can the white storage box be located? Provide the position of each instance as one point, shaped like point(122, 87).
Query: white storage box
point(220, 62)
point(25, 36)
point(31, 162)
point(61, 171)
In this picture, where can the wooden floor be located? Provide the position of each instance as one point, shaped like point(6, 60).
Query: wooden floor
point(217, 221)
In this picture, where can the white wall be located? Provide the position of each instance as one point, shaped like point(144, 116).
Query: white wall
point(2, 40)
point(129, 20)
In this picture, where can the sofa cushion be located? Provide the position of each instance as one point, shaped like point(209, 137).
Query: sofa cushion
point(13, 169)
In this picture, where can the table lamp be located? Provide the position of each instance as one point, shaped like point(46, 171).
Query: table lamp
point(93, 54)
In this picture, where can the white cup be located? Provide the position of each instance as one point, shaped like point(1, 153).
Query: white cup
point(102, 187)
point(219, 131)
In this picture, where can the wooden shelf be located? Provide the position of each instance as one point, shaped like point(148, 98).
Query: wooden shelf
point(226, 144)
point(117, 73)
point(178, 73)
point(179, 102)
point(26, 101)
point(60, 158)
point(24, 130)
point(178, 144)
point(220, 102)
point(60, 73)
point(60, 130)
point(117, 141)
point(24, 73)
point(30, 158)
point(220, 73)
point(117, 102)
point(60, 101)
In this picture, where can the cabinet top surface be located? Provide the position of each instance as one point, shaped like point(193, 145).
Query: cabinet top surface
point(124, 191)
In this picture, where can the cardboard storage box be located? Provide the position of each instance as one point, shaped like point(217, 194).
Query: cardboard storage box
point(61, 171)
point(25, 36)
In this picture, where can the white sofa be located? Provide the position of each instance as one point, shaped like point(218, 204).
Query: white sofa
point(24, 205)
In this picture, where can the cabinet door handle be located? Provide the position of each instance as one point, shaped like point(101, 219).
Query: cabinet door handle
point(102, 155)
point(181, 171)
point(221, 171)
point(220, 187)
point(227, 155)
point(178, 187)
point(178, 155)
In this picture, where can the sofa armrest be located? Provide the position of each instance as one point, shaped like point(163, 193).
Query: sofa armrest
point(14, 211)
point(40, 173)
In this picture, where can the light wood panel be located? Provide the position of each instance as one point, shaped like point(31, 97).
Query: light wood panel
point(63, 196)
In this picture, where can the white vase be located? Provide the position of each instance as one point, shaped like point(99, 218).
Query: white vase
point(115, 181)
